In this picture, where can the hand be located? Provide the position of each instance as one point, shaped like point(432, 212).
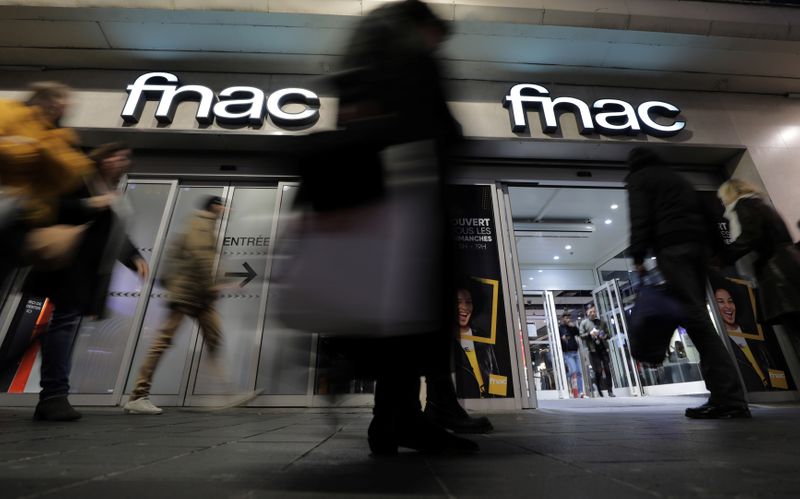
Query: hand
point(101, 202)
point(141, 268)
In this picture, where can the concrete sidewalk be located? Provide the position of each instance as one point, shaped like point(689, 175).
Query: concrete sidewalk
point(590, 448)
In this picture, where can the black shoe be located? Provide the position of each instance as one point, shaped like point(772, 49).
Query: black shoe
point(387, 434)
point(457, 420)
point(711, 411)
point(600, 392)
point(55, 409)
point(611, 394)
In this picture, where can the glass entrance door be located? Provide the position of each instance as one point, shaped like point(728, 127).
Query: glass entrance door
point(611, 309)
point(102, 348)
point(549, 370)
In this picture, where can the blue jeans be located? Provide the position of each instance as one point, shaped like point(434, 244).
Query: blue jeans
point(573, 361)
point(56, 345)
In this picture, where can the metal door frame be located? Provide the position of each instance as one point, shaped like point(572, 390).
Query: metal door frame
point(620, 326)
point(522, 351)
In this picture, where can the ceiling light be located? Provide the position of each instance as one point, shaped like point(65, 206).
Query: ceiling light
point(614, 206)
point(556, 257)
point(608, 221)
point(568, 247)
point(541, 271)
point(524, 286)
point(530, 278)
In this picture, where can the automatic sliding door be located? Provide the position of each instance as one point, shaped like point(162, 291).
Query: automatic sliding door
point(101, 350)
point(243, 266)
point(169, 381)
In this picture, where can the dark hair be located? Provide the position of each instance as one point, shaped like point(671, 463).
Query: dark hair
point(45, 90)
point(211, 201)
point(105, 151)
point(640, 157)
point(421, 13)
point(473, 288)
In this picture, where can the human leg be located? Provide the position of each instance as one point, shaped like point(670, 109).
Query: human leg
point(157, 348)
point(56, 344)
point(685, 269)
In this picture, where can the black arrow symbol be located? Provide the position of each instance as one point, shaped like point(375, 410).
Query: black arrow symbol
point(249, 275)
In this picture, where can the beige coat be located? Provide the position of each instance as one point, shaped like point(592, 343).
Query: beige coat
point(190, 278)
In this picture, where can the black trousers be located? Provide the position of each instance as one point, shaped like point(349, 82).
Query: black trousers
point(685, 268)
point(601, 364)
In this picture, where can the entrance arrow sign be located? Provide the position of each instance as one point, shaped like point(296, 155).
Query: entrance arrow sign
point(249, 275)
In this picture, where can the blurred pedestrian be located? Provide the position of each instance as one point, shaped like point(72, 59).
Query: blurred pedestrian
point(191, 291)
point(757, 228)
point(81, 287)
point(666, 217)
point(39, 162)
point(391, 90)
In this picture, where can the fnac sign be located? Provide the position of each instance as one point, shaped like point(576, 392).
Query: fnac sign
point(234, 105)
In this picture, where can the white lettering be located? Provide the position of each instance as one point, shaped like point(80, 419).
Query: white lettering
point(236, 110)
point(280, 98)
point(611, 122)
point(237, 105)
point(611, 116)
point(654, 128)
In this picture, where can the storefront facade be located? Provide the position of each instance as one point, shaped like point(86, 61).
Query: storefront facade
point(198, 134)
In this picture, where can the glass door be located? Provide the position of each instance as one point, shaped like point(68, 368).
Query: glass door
point(549, 370)
point(171, 377)
point(102, 348)
point(611, 309)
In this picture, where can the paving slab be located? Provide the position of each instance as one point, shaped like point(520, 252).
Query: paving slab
point(594, 449)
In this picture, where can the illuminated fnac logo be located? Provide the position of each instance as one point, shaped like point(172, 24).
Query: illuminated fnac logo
point(234, 105)
point(606, 116)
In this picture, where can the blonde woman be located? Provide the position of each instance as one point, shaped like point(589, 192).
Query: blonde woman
point(756, 227)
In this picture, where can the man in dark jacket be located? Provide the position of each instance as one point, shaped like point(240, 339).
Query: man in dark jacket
point(81, 288)
point(595, 334)
point(667, 217)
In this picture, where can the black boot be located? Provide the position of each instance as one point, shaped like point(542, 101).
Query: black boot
point(442, 408)
point(55, 409)
point(414, 431)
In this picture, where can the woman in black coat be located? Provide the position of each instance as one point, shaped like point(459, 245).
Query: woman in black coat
point(81, 288)
point(756, 227)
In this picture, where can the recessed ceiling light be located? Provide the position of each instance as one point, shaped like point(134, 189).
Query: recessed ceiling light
point(556, 257)
point(652, 258)
point(608, 221)
point(530, 278)
point(614, 206)
point(524, 286)
point(568, 247)
point(541, 271)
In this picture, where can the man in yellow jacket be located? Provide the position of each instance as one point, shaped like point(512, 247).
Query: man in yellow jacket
point(39, 162)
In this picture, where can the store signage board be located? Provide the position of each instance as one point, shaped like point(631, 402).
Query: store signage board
point(605, 116)
point(234, 105)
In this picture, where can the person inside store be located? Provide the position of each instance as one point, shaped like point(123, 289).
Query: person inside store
point(757, 228)
point(667, 218)
point(750, 354)
point(477, 360)
point(80, 289)
point(572, 357)
point(595, 334)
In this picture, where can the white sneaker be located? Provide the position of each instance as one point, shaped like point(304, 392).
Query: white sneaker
point(141, 406)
